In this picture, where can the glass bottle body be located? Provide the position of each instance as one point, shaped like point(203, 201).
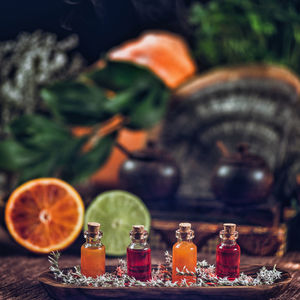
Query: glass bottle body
point(92, 258)
point(184, 255)
point(139, 261)
point(228, 260)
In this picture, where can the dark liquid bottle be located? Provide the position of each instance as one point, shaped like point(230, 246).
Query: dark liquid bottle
point(139, 254)
point(228, 253)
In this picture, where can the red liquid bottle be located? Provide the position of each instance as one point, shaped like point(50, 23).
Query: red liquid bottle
point(139, 254)
point(228, 253)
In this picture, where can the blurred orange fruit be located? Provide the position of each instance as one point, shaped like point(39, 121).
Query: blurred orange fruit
point(164, 53)
point(44, 215)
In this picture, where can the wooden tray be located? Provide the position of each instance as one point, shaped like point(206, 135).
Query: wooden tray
point(63, 291)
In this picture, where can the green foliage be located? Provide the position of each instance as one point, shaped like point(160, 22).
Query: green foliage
point(14, 156)
point(43, 145)
point(75, 103)
point(38, 132)
point(39, 148)
point(234, 32)
point(139, 95)
point(154, 103)
point(118, 76)
point(89, 162)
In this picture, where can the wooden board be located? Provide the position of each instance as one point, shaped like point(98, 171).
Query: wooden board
point(59, 290)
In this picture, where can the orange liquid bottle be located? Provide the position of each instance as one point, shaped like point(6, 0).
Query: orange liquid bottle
point(93, 252)
point(184, 253)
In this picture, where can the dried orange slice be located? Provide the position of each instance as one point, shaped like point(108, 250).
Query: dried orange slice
point(44, 214)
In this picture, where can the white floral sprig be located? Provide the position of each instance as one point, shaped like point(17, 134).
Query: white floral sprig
point(204, 273)
point(205, 276)
point(168, 259)
point(75, 277)
point(29, 62)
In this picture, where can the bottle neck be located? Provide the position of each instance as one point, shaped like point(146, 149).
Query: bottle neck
point(228, 242)
point(184, 240)
point(138, 244)
point(138, 241)
point(93, 240)
point(185, 236)
point(228, 239)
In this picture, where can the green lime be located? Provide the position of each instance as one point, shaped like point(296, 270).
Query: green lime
point(117, 211)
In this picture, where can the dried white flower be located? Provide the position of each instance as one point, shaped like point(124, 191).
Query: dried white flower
point(29, 62)
point(204, 277)
point(168, 259)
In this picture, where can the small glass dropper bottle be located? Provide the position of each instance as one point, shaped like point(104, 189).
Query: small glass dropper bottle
point(228, 253)
point(93, 252)
point(139, 254)
point(184, 253)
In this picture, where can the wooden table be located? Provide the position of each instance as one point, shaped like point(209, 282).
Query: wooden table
point(19, 270)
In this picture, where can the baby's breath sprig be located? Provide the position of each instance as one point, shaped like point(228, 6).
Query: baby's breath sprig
point(31, 61)
point(168, 259)
point(75, 276)
point(161, 277)
point(205, 276)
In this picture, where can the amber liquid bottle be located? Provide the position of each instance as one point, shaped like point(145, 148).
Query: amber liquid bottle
point(93, 252)
point(228, 253)
point(184, 253)
point(139, 254)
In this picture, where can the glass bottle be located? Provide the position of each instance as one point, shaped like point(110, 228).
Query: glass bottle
point(139, 254)
point(93, 252)
point(184, 253)
point(228, 253)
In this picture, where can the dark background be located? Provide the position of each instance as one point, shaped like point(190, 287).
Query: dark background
point(100, 24)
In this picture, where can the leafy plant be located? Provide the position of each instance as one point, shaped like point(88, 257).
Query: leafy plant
point(44, 145)
point(29, 62)
point(233, 32)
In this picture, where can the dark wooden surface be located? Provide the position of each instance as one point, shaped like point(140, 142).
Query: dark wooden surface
point(19, 271)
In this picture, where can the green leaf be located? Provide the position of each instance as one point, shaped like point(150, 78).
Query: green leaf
point(70, 151)
point(118, 76)
point(76, 103)
point(150, 109)
point(89, 162)
point(55, 161)
point(38, 132)
point(142, 96)
point(125, 102)
point(45, 167)
point(83, 103)
point(41, 148)
point(122, 102)
point(13, 156)
point(296, 31)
